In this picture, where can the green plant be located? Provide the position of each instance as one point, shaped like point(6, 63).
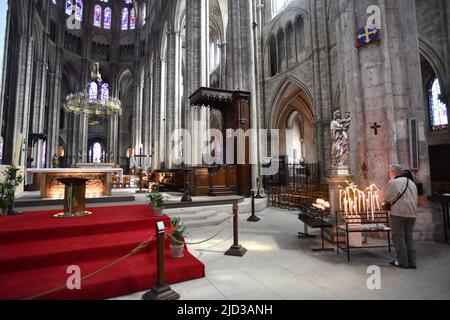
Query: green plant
point(8, 188)
point(156, 198)
point(178, 233)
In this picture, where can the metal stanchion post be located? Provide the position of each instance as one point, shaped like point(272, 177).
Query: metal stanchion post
point(161, 291)
point(253, 217)
point(236, 249)
point(258, 195)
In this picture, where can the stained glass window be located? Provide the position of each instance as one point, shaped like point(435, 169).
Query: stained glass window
point(97, 152)
point(125, 19)
point(438, 109)
point(278, 5)
point(1, 149)
point(107, 18)
point(104, 95)
point(69, 7)
point(144, 13)
point(93, 90)
point(132, 19)
point(97, 16)
point(214, 55)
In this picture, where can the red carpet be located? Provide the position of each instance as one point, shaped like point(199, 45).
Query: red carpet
point(36, 249)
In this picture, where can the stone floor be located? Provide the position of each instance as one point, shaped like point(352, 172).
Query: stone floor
point(279, 266)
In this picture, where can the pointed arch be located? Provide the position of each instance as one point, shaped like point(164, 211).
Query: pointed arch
point(278, 97)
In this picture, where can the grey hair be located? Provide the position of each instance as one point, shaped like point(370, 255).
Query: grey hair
point(398, 169)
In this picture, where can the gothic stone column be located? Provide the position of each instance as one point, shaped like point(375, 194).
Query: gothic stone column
point(197, 56)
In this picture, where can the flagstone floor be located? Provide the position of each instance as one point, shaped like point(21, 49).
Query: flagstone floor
point(278, 266)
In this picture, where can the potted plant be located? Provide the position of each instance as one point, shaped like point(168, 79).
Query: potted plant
point(156, 201)
point(8, 189)
point(177, 238)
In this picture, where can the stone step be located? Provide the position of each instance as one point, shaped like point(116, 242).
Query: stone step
point(189, 211)
point(194, 216)
point(223, 193)
point(198, 217)
point(218, 219)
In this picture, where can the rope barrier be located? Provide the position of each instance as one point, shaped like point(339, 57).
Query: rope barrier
point(109, 266)
point(131, 253)
point(200, 242)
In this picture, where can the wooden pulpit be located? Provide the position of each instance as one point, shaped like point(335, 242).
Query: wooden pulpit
point(74, 198)
point(235, 110)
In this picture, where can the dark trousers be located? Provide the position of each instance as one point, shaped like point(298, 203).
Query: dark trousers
point(402, 236)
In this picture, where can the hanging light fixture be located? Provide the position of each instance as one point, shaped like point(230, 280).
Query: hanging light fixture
point(94, 101)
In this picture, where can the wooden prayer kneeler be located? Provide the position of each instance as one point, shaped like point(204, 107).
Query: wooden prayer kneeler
point(314, 219)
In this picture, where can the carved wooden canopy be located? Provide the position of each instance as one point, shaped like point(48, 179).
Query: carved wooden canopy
point(216, 98)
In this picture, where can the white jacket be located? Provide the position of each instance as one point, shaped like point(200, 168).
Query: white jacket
point(406, 206)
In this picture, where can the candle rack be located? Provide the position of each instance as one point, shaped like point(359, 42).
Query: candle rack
point(361, 223)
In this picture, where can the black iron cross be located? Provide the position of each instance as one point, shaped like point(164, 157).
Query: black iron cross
point(375, 127)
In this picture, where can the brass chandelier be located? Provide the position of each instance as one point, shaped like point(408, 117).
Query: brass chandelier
point(92, 102)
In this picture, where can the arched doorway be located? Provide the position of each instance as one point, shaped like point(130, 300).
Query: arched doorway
point(293, 116)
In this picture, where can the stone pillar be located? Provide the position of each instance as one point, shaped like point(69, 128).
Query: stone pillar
point(173, 92)
point(156, 85)
point(162, 113)
point(23, 95)
point(322, 85)
point(79, 138)
point(4, 36)
point(382, 84)
point(54, 82)
point(137, 113)
point(243, 48)
point(147, 115)
point(39, 108)
point(197, 57)
point(113, 139)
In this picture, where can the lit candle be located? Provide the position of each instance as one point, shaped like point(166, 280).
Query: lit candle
point(340, 200)
point(345, 207)
point(359, 201)
point(377, 200)
point(371, 202)
point(368, 206)
point(364, 202)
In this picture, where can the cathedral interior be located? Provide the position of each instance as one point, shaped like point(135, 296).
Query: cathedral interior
point(153, 87)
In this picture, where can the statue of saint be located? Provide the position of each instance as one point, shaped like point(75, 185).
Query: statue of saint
point(339, 135)
point(95, 74)
point(55, 161)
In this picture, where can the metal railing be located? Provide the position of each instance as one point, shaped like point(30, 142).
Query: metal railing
point(294, 175)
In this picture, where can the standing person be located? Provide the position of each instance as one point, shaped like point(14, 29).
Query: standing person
point(400, 197)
